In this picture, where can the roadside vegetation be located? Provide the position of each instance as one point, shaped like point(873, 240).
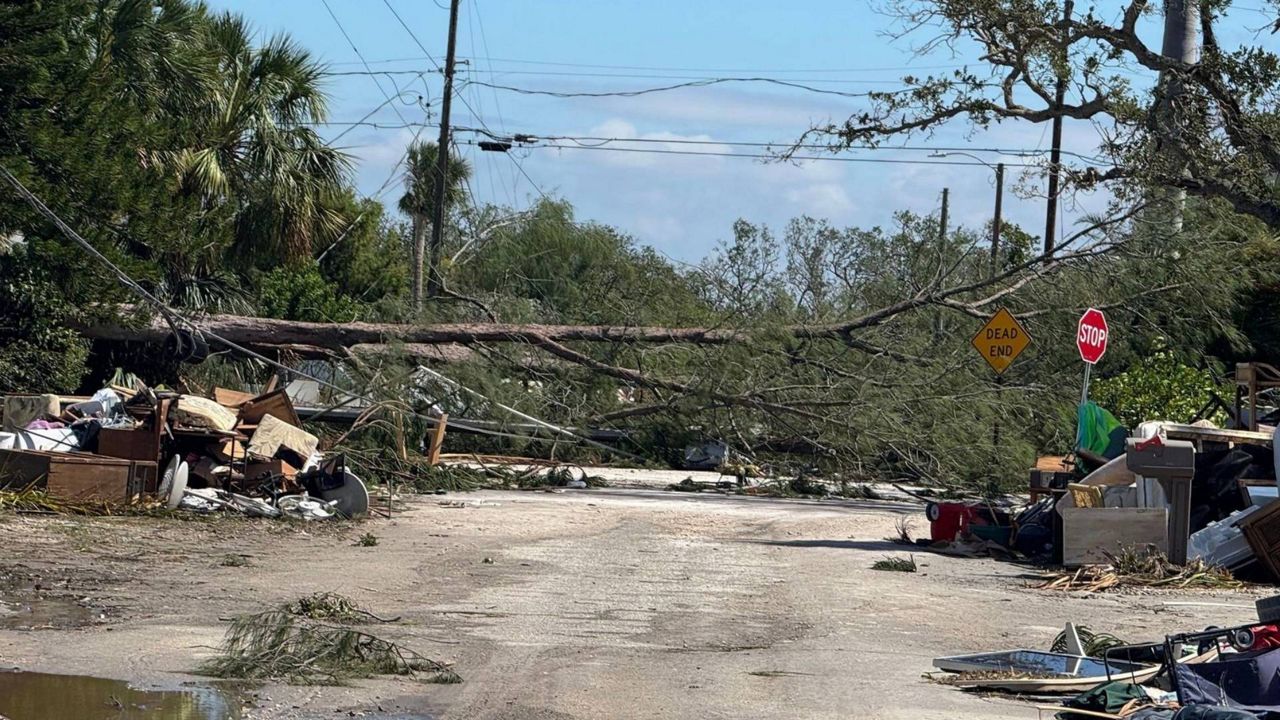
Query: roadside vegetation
point(180, 142)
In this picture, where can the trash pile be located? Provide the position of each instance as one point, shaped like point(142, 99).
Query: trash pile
point(1230, 673)
point(1200, 498)
point(233, 451)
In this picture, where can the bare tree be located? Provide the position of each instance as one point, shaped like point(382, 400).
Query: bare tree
point(1210, 128)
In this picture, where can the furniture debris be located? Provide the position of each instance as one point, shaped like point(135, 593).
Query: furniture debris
point(235, 452)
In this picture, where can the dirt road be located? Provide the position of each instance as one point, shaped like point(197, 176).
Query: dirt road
point(606, 603)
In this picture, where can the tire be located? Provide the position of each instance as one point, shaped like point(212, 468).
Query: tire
point(1269, 609)
point(932, 511)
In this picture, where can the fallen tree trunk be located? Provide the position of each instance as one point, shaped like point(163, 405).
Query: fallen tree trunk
point(258, 331)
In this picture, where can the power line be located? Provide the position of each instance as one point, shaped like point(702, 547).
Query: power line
point(680, 86)
point(621, 76)
point(657, 68)
point(902, 68)
point(763, 156)
point(352, 43)
point(405, 25)
point(642, 76)
point(520, 167)
point(735, 143)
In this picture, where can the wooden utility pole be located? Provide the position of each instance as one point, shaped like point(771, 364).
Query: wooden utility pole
point(434, 280)
point(996, 221)
point(942, 224)
point(1181, 42)
point(1055, 154)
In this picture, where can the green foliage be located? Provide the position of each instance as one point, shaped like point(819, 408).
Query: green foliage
point(303, 293)
point(553, 268)
point(284, 645)
point(370, 261)
point(1157, 387)
point(38, 353)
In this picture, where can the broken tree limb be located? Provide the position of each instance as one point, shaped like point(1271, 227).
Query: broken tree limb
point(246, 330)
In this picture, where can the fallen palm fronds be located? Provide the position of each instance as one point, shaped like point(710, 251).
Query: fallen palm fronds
point(1132, 568)
point(560, 476)
point(292, 644)
point(907, 564)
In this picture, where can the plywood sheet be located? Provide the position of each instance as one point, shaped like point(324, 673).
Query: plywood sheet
point(1089, 533)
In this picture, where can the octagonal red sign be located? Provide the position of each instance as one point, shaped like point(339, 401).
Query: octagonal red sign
point(1091, 336)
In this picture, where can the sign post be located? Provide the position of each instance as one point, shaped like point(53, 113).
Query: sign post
point(1091, 341)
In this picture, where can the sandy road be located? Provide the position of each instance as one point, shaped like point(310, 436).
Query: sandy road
point(581, 604)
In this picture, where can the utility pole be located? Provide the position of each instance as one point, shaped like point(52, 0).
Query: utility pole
point(1181, 42)
point(942, 224)
point(1055, 154)
point(434, 280)
point(996, 221)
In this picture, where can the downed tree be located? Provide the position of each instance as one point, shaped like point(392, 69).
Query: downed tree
point(972, 297)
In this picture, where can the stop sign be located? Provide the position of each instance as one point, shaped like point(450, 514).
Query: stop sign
point(1091, 336)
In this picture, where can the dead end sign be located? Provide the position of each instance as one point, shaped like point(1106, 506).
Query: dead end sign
point(1001, 340)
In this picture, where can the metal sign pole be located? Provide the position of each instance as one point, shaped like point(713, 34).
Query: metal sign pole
point(1084, 391)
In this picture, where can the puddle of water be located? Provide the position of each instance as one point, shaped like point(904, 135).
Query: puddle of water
point(30, 602)
point(42, 613)
point(45, 696)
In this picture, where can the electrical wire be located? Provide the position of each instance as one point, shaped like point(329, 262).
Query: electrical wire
point(683, 85)
point(580, 139)
point(352, 43)
point(621, 76)
point(405, 25)
point(764, 156)
point(657, 68)
point(641, 76)
point(414, 36)
point(173, 317)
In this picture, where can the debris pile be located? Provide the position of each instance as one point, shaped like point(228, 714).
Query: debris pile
point(1222, 673)
point(314, 640)
point(1167, 505)
point(130, 446)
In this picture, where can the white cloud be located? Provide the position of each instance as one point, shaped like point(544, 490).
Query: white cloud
point(824, 200)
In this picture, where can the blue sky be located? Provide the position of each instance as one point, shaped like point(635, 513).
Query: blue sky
point(680, 205)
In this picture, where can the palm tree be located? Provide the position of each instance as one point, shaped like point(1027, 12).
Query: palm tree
point(248, 143)
point(419, 202)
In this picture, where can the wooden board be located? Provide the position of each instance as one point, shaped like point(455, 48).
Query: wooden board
point(437, 439)
point(276, 404)
point(1222, 435)
point(231, 398)
point(1088, 533)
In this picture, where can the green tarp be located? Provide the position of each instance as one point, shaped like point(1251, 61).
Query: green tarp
point(1099, 432)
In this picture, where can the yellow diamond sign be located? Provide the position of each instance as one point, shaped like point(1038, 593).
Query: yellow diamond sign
point(1001, 340)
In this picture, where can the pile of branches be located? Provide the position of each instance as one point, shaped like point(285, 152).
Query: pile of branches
point(311, 641)
point(1134, 568)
